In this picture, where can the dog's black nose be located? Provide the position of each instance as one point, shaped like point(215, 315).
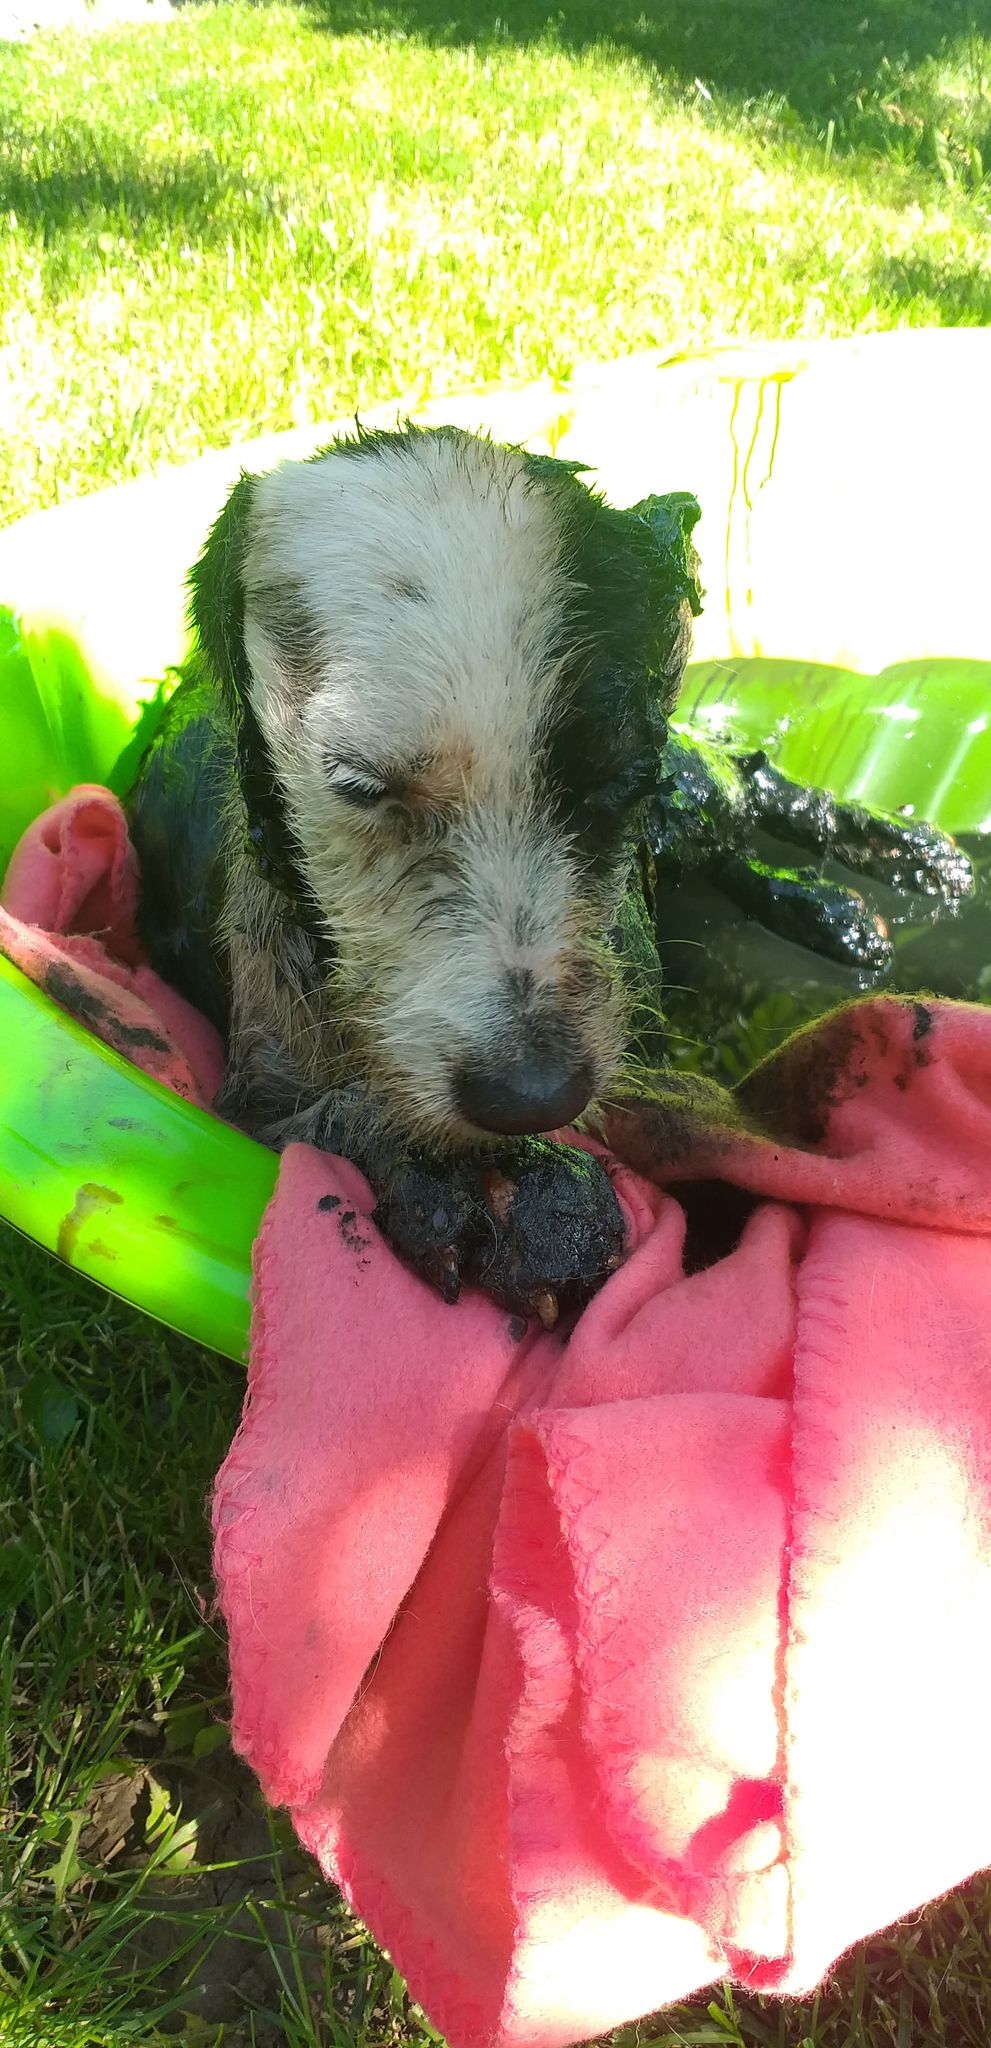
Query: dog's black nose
point(539, 1092)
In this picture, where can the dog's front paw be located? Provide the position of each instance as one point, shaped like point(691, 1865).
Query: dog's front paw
point(537, 1226)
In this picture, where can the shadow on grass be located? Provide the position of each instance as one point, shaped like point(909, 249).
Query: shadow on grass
point(823, 60)
point(957, 295)
point(838, 78)
point(178, 1888)
point(115, 186)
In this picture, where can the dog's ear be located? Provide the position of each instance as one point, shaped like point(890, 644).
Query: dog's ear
point(216, 587)
point(217, 612)
point(676, 592)
point(671, 520)
point(636, 570)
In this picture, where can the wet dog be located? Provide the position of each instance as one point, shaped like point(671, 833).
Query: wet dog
point(390, 828)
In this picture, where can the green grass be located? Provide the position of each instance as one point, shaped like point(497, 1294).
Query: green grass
point(253, 217)
point(246, 219)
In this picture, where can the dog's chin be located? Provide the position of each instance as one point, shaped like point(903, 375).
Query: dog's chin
point(458, 1139)
point(444, 1137)
point(444, 1133)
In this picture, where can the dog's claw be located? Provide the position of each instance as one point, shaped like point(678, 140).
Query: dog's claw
point(499, 1192)
point(449, 1276)
point(545, 1305)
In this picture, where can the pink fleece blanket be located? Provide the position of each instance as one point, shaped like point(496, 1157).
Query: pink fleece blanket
point(597, 1669)
point(68, 912)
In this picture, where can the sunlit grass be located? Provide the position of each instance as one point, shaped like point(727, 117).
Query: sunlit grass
point(243, 220)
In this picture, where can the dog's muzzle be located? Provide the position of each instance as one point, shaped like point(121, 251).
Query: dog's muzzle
point(536, 1091)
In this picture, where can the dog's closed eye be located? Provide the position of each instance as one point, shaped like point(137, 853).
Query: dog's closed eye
point(360, 791)
point(397, 801)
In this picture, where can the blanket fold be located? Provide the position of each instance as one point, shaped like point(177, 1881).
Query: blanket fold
point(594, 1668)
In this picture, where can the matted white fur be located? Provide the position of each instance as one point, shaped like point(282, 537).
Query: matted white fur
point(430, 579)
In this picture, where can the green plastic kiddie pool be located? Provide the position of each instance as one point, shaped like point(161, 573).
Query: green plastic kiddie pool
point(846, 555)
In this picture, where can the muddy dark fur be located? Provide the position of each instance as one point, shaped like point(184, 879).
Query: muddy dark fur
point(233, 913)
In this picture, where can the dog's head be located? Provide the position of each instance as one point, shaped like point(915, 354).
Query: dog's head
point(451, 663)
